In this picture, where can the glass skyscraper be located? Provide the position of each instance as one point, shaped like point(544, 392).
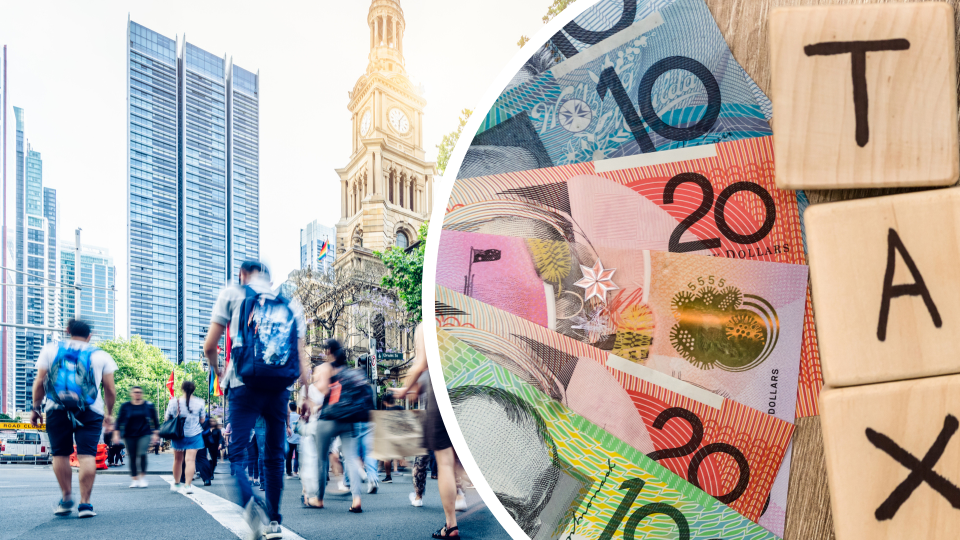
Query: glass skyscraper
point(243, 166)
point(36, 262)
point(313, 238)
point(96, 306)
point(153, 197)
point(193, 122)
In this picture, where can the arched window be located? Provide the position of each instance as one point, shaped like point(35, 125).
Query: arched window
point(402, 241)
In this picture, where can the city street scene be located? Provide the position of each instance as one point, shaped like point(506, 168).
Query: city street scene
point(210, 514)
point(211, 265)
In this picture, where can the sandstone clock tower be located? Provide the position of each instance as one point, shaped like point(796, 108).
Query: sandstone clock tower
point(387, 186)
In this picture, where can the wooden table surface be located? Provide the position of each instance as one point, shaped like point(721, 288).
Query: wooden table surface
point(744, 25)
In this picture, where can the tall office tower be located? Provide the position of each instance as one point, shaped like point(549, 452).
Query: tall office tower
point(153, 197)
point(243, 167)
point(193, 122)
point(6, 359)
point(203, 193)
point(97, 305)
point(318, 246)
point(36, 224)
point(51, 212)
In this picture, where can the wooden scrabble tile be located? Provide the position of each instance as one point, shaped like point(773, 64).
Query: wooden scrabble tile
point(893, 459)
point(864, 96)
point(885, 278)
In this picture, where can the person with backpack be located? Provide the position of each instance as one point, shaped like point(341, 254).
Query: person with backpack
point(67, 386)
point(346, 403)
point(190, 408)
point(138, 425)
point(267, 356)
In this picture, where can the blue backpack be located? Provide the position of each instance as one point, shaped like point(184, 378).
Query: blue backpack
point(269, 357)
point(70, 383)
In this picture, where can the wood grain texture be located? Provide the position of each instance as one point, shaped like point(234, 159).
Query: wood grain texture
point(900, 132)
point(849, 248)
point(744, 25)
point(864, 429)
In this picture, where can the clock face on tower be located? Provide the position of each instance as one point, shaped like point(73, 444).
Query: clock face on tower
point(399, 121)
point(365, 123)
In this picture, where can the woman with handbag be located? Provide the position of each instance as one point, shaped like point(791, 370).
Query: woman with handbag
point(187, 411)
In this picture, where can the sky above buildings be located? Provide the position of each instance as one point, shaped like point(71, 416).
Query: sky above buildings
point(66, 68)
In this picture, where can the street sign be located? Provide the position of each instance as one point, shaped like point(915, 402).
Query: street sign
point(390, 356)
point(18, 425)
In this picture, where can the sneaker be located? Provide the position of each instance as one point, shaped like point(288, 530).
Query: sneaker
point(175, 488)
point(135, 483)
point(415, 501)
point(207, 483)
point(461, 503)
point(256, 519)
point(363, 475)
point(342, 487)
point(143, 483)
point(63, 508)
point(388, 480)
point(273, 531)
point(372, 488)
point(85, 510)
point(188, 489)
point(256, 482)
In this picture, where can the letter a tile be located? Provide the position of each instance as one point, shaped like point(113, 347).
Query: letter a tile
point(893, 459)
point(885, 278)
point(864, 96)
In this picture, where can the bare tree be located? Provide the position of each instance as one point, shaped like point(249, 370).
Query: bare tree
point(326, 296)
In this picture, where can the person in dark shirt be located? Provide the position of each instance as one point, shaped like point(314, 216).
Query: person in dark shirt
point(137, 423)
point(213, 440)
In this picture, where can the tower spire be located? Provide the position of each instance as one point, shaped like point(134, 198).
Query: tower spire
point(387, 26)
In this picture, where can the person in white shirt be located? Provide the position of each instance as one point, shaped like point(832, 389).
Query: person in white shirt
point(63, 424)
point(247, 403)
point(189, 407)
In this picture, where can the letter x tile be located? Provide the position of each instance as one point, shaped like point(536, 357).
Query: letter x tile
point(885, 278)
point(893, 459)
point(864, 96)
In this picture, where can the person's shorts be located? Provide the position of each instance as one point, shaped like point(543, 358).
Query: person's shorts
point(63, 433)
point(335, 445)
point(189, 443)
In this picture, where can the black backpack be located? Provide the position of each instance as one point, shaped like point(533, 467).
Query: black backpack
point(269, 358)
point(349, 399)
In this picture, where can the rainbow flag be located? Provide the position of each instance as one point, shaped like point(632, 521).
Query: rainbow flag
point(323, 251)
point(215, 384)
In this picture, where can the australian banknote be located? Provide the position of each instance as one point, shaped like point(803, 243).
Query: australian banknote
point(719, 200)
point(670, 82)
point(730, 326)
point(560, 476)
point(601, 21)
point(676, 423)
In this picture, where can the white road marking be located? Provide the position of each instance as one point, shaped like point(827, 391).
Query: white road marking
point(228, 514)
